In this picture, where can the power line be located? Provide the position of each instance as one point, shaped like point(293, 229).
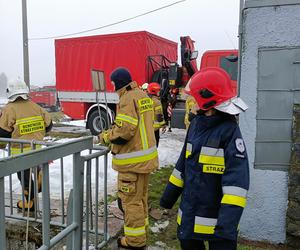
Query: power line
point(107, 25)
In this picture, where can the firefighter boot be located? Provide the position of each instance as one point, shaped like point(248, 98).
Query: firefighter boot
point(27, 204)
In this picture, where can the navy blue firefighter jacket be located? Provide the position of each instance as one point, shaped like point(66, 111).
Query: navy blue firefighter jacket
point(212, 177)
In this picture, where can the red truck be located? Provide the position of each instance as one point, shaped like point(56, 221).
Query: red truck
point(46, 97)
point(147, 56)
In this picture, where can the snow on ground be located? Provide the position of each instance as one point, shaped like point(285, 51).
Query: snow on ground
point(80, 123)
point(170, 146)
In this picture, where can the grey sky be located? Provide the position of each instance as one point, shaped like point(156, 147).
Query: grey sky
point(213, 24)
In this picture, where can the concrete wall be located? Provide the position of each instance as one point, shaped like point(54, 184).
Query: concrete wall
point(265, 215)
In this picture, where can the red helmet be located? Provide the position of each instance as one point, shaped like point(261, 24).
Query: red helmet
point(153, 88)
point(210, 87)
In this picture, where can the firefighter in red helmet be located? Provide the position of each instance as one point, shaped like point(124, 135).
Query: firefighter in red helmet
point(212, 172)
point(153, 91)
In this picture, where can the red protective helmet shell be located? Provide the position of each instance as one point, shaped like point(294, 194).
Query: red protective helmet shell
point(214, 80)
point(153, 88)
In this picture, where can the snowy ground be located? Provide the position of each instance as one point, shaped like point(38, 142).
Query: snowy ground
point(169, 149)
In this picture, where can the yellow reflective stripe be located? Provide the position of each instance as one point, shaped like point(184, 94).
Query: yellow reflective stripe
point(143, 132)
point(189, 148)
point(187, 153)
point(134, 231)
point(158, 108)
point(179, 215)
point(17, 151)
point(204, 225)
point(202, 229)
point(178, 219)
point(233, 200)
point(127, 118)
point(29, 119)
point(134, 160)
point(214, 160)
point(176, 181)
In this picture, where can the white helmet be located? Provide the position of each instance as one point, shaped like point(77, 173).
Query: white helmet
point(16, 88)
point(145, 86)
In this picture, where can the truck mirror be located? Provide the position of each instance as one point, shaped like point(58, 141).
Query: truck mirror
point(194, 55)
point(232, 58)
point(98, 80)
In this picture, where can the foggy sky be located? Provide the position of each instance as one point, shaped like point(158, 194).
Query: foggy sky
point(213, 24)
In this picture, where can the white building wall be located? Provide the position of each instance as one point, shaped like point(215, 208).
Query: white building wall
point(265, 214)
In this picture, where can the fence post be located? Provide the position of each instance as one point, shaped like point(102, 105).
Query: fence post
point(2, 216)
point(46, 205)
point(78, 177)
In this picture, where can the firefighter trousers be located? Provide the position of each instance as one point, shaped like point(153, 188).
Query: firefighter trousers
point(133, 192)
point(221, 244)
point(27, 179)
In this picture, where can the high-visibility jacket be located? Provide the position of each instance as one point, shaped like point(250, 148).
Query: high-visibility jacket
point(190, 104)
point(212, 177)
point(158, 113)
point(132, 135)
point(25, 120)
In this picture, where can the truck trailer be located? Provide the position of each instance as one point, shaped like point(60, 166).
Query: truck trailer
point(149, 58)
point(76, 57)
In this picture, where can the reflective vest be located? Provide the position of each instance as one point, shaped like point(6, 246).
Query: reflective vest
point(212, 177)
point(132, 134)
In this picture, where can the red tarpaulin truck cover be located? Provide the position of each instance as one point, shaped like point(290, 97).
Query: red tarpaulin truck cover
point(75, 57)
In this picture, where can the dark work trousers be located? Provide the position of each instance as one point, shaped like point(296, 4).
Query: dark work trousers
point(156, 132)
point(213, 245)
point(26, 182)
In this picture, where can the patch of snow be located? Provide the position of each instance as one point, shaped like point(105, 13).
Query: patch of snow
point(80, 123)
point(170, 145)
point(158, 227)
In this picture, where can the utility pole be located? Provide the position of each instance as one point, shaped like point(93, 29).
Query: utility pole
point(25, 44)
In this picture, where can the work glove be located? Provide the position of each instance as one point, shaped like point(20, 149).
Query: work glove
point(103, 138)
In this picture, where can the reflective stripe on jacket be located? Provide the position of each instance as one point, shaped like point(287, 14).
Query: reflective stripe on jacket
point(158, 113)
point(212, 175)
point(132, 135)
point(24, 120)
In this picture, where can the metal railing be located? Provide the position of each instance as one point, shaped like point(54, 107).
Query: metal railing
point(72, 227)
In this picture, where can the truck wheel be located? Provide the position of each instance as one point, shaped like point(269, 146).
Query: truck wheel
point(93, 122)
